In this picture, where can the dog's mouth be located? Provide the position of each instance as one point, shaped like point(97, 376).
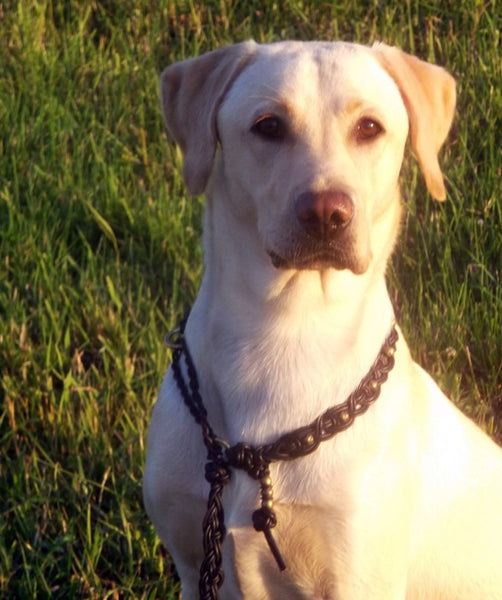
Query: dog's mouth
point(319, 261)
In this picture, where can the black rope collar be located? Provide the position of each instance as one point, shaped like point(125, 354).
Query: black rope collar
point(255, 460)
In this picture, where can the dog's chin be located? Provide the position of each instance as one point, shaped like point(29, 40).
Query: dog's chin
point(320, 262)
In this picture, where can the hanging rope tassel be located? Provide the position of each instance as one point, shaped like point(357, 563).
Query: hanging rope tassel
point(211, 572)
point(251, 460)
point(263, 520)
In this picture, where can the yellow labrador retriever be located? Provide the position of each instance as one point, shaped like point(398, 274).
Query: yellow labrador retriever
point(298, 148)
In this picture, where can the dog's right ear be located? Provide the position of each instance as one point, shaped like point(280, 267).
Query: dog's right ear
point(191, 93)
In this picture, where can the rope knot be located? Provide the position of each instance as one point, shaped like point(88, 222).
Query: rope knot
point(249, 459)
point(217, 473)
point(264, 518)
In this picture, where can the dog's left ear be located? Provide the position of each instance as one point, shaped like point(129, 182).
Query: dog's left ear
point(429, 95)
point(191, 93)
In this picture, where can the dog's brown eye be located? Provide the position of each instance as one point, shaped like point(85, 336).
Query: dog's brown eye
point(368, 129)
point(269, 127)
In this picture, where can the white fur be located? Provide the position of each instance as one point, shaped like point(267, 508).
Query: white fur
point(406, 504)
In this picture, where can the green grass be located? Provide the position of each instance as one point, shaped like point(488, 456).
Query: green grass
point(99, 256)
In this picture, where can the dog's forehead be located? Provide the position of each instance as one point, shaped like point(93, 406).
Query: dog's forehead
point(314, 72)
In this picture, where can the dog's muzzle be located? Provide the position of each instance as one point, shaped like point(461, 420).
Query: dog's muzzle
point(324, 237)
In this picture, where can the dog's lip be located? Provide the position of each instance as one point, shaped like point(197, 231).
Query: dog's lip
point(318, 261)
point(277, 260)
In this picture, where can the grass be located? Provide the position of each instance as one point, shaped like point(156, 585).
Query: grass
point(99, 256)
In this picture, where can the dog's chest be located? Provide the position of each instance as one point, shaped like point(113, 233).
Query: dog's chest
point(307, 539)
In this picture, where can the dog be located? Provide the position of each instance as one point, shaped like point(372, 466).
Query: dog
point(298, 147)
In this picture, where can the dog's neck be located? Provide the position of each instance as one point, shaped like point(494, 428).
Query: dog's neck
point(243, 291)
point(248, 314)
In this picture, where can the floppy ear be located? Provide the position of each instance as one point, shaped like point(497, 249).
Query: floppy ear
point(429, 95)
point(191, 93)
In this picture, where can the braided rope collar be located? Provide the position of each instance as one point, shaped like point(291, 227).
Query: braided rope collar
point(255, 460)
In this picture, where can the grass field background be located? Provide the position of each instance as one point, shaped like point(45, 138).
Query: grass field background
point(99, 256)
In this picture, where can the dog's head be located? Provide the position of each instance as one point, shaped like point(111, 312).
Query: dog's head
point(307, 140)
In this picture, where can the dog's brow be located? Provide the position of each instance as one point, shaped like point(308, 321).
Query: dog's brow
point(358, 105)
point(273, 103)
point(353, 106)
point(273, 97)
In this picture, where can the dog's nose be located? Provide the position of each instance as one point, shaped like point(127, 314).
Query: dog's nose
point(324, 214)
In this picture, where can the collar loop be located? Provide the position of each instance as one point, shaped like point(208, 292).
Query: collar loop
point(255, 460)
